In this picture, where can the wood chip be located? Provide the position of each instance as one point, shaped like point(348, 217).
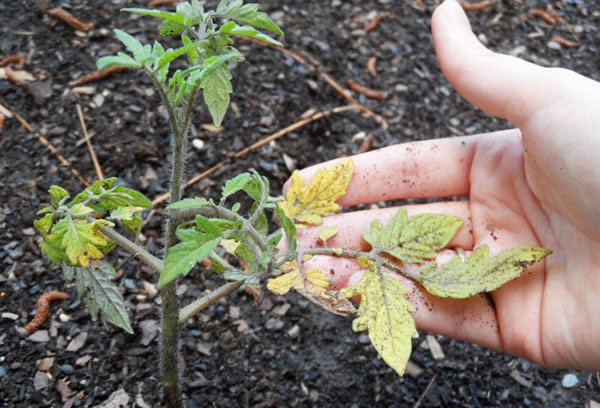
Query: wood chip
point(518, 377)
point(70, 20)
point(549, 16)
point(564, 42)
point(371, 67)
point(77, 342)
point(434, 347)
point(368, 92)
point(44, 364)
point(413, 370)
point(480, 5)
point(373, 23)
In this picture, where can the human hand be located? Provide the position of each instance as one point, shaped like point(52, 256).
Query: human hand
point(538, 184)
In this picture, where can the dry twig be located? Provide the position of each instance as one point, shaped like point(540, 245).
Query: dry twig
point(89, 143)
point(72, 21)
point(19, 59)
point(373, 23)
point(422, 397)
point(2, 120)
point(368, 92)
point(46, 143)
point(480, 5)
point(43, 309)
point(282, 132)
point(94, 76)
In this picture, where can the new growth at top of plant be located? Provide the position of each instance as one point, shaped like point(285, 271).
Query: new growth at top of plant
point(242, 244)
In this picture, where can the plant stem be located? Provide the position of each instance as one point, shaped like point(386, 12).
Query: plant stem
point(170, 308)
point(199, 305)
point(134, 249)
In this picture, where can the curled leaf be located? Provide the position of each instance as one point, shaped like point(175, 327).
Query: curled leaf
point(312, 280)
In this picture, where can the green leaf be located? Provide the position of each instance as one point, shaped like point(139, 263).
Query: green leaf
point(188, 203)
point(232, 28)
point(119, 60)
point(254, 187)
point(182, 258)
point(171, 54)
point(57, 195)
point(249, 14)
point(101, 294)
point(192, 52)
point(208, 226)
point(274, 238)
point(290, 232)
point(216, 88)
point(141, 53)
point(385, 313)
point(235, 184)
point(479, 273)
point(80, 210)
point(131, 217)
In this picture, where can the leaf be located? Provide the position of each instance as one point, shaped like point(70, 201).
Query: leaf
point(182, 258)
point(216, 88)
point(80, 210)
point(312, 280)
point(235, 184)
point(232, 28)
point(385, 313)
point(478, 273)
point(332, 301)
point(318, 198)
point(187, 203)
point(141, 53)
point(119, 60)
point(101, 294)
point(81, 240)
point(249, 14)
point(131, 217)
point(414, 239)
point(290, 232)
point(328, 232)
point(57, 195)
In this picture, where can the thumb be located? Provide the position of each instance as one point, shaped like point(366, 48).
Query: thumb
point(501, 85)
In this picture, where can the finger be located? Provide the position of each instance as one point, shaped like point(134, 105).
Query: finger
point(432, 168)
point(501, 85)
point(471, 319)
point(351, 225)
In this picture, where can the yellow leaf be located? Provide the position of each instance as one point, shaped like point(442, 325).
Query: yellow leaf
point(318, 198)
point(230, 245)
point(313, 280)
point(385, 313)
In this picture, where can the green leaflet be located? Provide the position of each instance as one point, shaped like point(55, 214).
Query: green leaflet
point(182, 258)
point(187, 203)
point(131, 217)
point(216, 88)
point(232, 28)
point(328, 232)
point(385, 313)
point(235, 184)
point(119, 60)
point(100, 293)
point(248, 14)
point(414, 239)
point(479, 273)
point(57, 195)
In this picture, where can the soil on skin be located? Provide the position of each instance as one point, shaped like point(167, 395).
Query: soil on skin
point(285, 352)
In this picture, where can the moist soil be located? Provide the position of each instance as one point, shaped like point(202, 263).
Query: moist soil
point(285, 351)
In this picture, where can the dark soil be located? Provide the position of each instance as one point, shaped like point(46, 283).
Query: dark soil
point(284, 352)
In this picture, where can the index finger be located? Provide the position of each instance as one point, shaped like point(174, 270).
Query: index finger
point(431, 168)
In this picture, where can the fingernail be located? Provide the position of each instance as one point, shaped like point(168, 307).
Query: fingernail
point(453, 13)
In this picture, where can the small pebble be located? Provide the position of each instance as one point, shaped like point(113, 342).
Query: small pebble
point(67, 369)
point(2, 371)
point(570, 381)
point(198, 144)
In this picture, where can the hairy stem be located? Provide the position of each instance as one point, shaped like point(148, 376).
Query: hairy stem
point(170, 308)
point(134, 249)
point(200, 304)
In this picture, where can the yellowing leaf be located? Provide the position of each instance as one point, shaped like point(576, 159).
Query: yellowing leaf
point(328, 232)
point(313, 280)
point(414, 239)
point(478, 273)
point(230, 245)
point(80, 239)
point(385, 313)
point(318, 198)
